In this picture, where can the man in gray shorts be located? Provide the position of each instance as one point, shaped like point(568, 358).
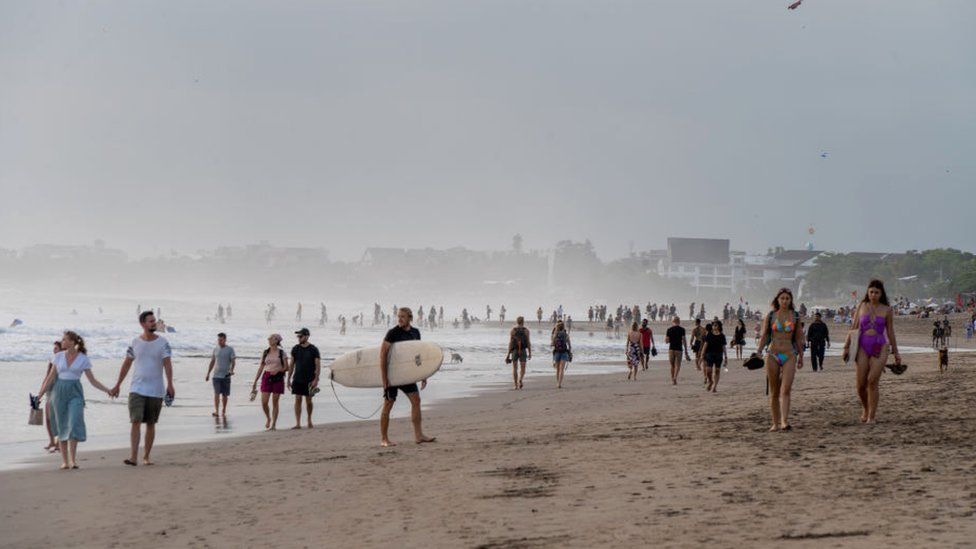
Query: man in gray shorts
point(151, 355)
point(224, 358)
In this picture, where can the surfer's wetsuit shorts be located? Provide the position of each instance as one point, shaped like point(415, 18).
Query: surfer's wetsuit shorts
point(391, 392)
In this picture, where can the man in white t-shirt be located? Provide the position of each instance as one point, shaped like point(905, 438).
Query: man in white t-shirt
point(151, 355)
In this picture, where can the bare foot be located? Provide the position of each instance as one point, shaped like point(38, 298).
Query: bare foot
point(296, 427)
point(74, 466)
point(145, 461)
point(65, 466)
point(425, 439)
point(714, 389)
point(310, 426)
point(267, 424)
point(273, 428)
point(215, 414)
point(387, 443)
point(864, 417)
point(131, 462)
point(774, 428)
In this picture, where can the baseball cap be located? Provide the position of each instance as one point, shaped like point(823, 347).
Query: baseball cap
point(303, 332)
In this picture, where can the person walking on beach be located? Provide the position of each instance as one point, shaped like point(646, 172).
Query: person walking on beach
point(519, 350)
point(677, 343)
point(403, 331)
point(52, 444)
point(782, 336)
point(697, 333)
point(647, 342)
point(67, 397)
point(271, 372)
point(225, 360)
point(873, 320)
point(562, 351)
point(634, 352)
point(303, 376)
point(151, 356)
point(739, 338)
point(819, 338)
point(715, 353)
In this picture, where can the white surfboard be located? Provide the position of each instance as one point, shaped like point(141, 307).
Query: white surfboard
point(410, 362)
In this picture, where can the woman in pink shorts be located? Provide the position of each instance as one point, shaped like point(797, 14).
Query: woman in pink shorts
point(274, 366)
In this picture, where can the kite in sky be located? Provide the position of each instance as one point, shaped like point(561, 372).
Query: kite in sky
point(794, 5)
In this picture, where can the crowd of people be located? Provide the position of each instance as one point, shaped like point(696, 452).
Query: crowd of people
point(782, 341)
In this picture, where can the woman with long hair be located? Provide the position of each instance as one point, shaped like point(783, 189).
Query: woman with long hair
point(271, 372)
point(739, 338)
point(714, 354)
point(873, 320)
point(67, 396)
point(562, 351)
point(634, 352)
point(782, 336)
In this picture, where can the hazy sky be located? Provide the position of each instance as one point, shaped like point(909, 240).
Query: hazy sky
point(187, 125)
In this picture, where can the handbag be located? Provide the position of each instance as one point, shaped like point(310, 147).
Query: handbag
point(853, 336)
point(653, 351)
point(36, 413)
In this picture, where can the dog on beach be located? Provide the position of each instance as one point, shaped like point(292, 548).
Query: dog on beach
point(456, 358)
point(943, 360)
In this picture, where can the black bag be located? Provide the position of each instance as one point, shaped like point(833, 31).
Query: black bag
point(653, 351)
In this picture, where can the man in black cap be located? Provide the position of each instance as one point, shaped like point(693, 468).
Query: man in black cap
point(303, 376)
point(819, 338)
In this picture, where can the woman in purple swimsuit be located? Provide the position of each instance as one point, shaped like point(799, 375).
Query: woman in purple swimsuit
point(873, 320)
point(781, 333)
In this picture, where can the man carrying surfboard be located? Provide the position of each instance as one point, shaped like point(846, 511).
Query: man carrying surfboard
point(403, 331)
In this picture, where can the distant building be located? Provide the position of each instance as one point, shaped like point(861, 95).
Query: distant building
point(702, 262)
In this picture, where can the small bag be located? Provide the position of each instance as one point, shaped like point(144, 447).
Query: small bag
point(36, 417)
point(653, 351)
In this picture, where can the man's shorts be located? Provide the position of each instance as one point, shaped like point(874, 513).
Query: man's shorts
point(143, 409)
point(300, 388)
point(221, 386)
point(519, 356)
point(647, 352)
point(391, 392)
point(674, 356)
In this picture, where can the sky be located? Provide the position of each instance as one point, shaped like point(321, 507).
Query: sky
point(161, 126)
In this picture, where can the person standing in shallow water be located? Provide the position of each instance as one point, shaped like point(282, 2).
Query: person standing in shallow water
point(67, 396)
point(403, 331)
point(873, 320)
point(781, 334)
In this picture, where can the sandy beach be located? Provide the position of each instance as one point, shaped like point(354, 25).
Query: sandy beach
point(601, 462)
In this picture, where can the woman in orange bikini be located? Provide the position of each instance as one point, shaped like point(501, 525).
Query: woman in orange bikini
point(782, 336)
point(872, 320)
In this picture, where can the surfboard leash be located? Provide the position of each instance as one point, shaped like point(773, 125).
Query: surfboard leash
point(348, 411)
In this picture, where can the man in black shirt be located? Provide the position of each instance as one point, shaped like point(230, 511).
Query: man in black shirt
point(819, 338)
point(303, 376)
point(403, 331)
point(677, 344)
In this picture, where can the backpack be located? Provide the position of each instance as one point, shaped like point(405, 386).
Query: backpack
point(519, 337)
point(560, 342)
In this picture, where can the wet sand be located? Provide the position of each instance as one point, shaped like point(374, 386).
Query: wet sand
point(601, 462)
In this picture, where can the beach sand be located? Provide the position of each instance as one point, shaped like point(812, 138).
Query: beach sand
point(601, 462)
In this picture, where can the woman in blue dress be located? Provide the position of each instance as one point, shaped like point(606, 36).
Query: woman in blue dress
point(67, 398)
